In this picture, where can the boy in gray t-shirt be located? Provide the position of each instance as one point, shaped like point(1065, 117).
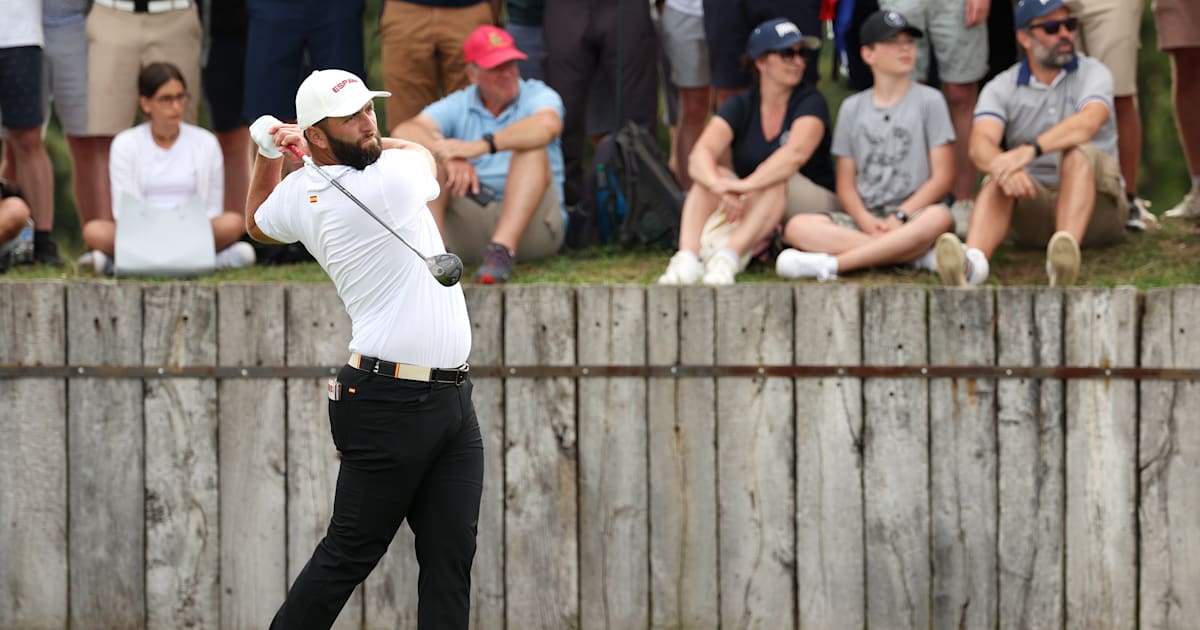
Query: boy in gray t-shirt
point(1044, 135)
point(895, 165)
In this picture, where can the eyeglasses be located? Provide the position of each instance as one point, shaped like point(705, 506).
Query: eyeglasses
point(787, 54)
point(171, 99)
point(1051, 26)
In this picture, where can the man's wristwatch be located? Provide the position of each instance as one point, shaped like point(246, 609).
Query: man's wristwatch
point(902, 216)
point(1037, 148)
point(491, 140)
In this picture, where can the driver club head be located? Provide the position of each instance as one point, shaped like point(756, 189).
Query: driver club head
point(447, 269)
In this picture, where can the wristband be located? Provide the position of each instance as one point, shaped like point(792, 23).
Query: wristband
point(1037, 148)
point(491, 140)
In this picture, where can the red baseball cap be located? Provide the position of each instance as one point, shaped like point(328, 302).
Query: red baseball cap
point(488, 47)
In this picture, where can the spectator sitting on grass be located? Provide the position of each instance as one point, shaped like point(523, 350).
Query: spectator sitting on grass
point(895, 165)
point(14, 218)
point(1058, 184)
point(778, 135)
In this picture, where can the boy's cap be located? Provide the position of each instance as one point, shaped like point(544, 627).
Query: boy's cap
point(883, 25)
point(1030, 10)
point(777, 34)
point(328, 93)
point(488, 47)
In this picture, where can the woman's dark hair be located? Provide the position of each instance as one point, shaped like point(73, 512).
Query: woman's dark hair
point(155, 75)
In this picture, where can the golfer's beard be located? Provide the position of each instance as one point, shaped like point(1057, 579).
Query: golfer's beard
point(1049, 56)
point(355, 155)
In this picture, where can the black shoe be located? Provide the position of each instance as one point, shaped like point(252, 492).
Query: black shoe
point(45, 251)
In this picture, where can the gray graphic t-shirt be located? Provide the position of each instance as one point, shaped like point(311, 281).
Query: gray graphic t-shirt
point(890, 146)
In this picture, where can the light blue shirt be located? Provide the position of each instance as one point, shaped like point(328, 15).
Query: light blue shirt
point(462, 116)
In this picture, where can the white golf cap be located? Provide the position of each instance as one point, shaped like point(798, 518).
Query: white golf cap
point(328, 93)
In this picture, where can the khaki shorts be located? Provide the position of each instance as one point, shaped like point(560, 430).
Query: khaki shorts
point(422, 53)
point(468, 228)
point(1109, 32)
point(119, 44)
point(804, 196)
point(961, 52)
point(1178, 23)
point(1033, 219)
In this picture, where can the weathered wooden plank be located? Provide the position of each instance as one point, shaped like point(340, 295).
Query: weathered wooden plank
point(962, 466)
point(681, 329)
point(1101, 459)
point(896, 461)
point(486, 308)
point(755, 440)
point(540, 462)
point(106, 455)
point(1169, 464)
point(182, 521)
point(33, 459)
point(613, 583)
point(1030, 436)
point(318, 332)
point(830, 584)
point(252, 455)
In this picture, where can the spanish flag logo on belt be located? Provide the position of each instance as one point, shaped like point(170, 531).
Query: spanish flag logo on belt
point(312, 199)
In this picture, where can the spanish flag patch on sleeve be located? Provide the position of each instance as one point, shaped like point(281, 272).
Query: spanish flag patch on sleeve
point(312, 199)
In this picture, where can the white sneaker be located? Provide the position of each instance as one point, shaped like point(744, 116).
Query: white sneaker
point(1062, 260)
point(961, 212)
point(1189, 208)
point(927, 261)
point(959, 265)
point(684, 268)
point(99, 262)
point(720, 270)
point(236, 256)
point(1140, 218)
point(793, 264)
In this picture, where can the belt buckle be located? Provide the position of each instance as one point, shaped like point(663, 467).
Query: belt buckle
point(461, 375)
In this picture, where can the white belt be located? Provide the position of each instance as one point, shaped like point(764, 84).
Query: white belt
point(152, 6)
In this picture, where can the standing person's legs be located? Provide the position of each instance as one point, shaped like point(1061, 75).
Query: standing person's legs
point(629, 55)
point(726, 30)
point(962, 57)
point(224, 80)
point(1178, 23)
point(570, 65)
point(686, 47)
point(176, 37)
point(528, 39)
point(452, 26)
point(21, 111)
point(274, 60)
point(1109, 32)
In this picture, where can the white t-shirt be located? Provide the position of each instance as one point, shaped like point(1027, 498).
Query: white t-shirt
point(690, 7)
point(398, 312)
point(165, 178)
point(21, 24)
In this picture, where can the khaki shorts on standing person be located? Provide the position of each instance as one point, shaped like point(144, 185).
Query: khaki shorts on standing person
point(1033, 219)
point(467, 228)
point(422, 53)
point(961, 52)
point(1109, 31)
point(121, 42)
point(1178, 23)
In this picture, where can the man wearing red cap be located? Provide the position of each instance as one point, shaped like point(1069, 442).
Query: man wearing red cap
point(500, 163)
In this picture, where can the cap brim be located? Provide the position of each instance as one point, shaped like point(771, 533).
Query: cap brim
point(348, 110)
point(500, 56)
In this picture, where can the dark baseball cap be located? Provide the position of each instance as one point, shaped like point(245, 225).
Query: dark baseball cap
point(1030, 10)
point(777, 34)
point(883, 25)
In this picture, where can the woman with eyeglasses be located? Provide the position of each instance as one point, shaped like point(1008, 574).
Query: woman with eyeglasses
point(765, 154)
point(167, 163)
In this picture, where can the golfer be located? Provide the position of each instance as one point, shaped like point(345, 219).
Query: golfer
point(400, 410)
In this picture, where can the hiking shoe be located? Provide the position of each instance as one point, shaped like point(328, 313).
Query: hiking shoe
point(45, 250)
point(497, 265)
point(1188, 208)
point(684, 268)
point(236, 256)
point(959, 265)
point(793, 264)
point(961, 212)
point(1140, 218)
point(720, 270)
point(1062, 259)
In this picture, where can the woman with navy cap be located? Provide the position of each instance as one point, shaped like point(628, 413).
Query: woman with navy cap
point(776, 136)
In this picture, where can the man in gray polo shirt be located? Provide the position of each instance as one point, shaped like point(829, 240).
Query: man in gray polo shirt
point(1058, 184)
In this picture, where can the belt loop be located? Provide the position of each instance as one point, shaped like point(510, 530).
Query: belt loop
point(375, 367)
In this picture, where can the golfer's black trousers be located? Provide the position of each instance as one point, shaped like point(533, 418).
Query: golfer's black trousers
point(409, 450)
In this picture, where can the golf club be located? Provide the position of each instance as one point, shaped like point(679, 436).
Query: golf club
point(446, 268)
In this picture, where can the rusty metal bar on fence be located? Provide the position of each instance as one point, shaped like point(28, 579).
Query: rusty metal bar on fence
point(630, 371)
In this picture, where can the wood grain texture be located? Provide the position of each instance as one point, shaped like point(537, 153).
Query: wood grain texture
point(681, 329)
point(1031, 464)
point(755, 462)
point(896, 461)
point(33, 459)
point(1169, 464)
point(613, 583)
point(829, 466)
point(1101, 459)
point(252, 420)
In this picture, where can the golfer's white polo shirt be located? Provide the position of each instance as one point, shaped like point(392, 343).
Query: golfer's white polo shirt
point(398, 310)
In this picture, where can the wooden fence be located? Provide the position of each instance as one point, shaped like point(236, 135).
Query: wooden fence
point(623, 502)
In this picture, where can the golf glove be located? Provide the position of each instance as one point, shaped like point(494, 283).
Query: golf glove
point(260, 133)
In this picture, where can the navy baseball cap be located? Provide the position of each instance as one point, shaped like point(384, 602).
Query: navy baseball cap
point(1030, 10)
point(882, 25)
point(777, 34)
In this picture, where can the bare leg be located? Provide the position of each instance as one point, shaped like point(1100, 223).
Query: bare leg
point(88, 198)
point(901, 245)
point(764, 209)
point(693, 114)
point(528, 177)
point(990, 218)
point(13, 214)
point(100, 234)
point(960, 97)
point(818, 233)
point(34, 175)
point(724, 94)
point(103, 144)
point(1185, 67)
point(699, 204)
point(236, 149)
point(1129, 139)
point(227, 228)
point(1076, 194)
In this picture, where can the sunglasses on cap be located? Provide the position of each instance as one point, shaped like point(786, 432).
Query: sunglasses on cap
point(1051, 26)
point(788, 54)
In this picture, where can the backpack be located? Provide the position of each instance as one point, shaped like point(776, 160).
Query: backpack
point(633, 198)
